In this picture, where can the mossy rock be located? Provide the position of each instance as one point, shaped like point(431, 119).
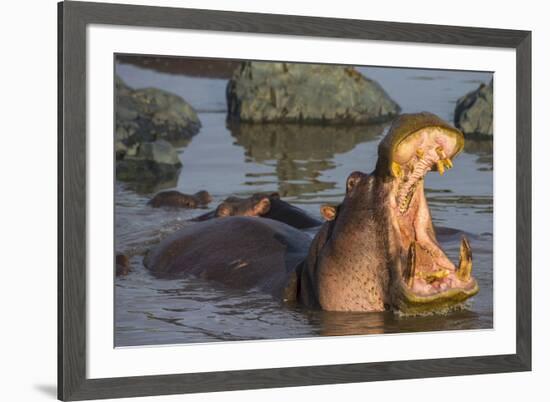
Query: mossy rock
point(306, 93)
point(474, 112)
point(149, 114)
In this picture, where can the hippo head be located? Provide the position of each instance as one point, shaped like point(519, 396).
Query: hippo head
point(257, 205)
point(423, 278)
point(380, 251)
point(203, 197)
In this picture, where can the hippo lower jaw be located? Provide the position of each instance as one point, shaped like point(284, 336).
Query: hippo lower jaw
point(423, 289)
point(429, 281)
point(413, 304)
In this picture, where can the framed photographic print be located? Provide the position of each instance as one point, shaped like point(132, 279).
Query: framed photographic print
point(255, 201)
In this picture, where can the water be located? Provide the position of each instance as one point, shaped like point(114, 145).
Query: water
point(308, 167)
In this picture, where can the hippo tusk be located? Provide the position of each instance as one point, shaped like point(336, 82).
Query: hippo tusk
point(440, 152)
point(465, 261)
point(411, 264)
point(447, 163)
point(440, 167)
point(443, 162)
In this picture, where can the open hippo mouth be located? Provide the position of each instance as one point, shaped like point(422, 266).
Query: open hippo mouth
point(426, 279)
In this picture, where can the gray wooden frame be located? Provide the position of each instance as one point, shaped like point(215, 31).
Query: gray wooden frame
point(73, 17)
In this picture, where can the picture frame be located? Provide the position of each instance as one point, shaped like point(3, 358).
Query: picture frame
point(73, 20)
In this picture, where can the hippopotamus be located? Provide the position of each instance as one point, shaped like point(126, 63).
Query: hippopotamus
point(266, 205)
point(381, 249)
point(378, 252)
point(238, 251)
point(175, 199)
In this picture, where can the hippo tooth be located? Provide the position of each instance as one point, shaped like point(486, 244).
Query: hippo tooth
point(465, 260)
point(443, 160)
point(406, 201)
point(396, 170)
point(440, 167)
point(420, 153)
point(411, 264)
point(440, 152)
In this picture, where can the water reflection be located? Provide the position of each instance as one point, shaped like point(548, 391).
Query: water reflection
point(338, 323)
point(299, 153)
point(483, 148)
point(334, 323)
point(153, 185)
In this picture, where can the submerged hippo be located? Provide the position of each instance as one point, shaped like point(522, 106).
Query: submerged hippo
point(175, 199)
point(238, 251)
point(378, 252)
point(266, 205)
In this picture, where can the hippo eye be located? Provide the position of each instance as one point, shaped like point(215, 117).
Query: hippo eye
point(352, 181)
point(223, 210)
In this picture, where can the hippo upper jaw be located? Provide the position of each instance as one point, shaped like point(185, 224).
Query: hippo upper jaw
point(425, 279)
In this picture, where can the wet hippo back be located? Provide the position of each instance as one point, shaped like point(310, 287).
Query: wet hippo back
point(240, 252)
point(282, 211)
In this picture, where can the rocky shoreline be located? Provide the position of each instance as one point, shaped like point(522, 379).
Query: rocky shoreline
point(150, 124)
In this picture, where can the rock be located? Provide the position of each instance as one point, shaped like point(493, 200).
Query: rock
point(474, 111)
point(149, 161)
point(307, 93)
point(145, 115)
point(145, 120)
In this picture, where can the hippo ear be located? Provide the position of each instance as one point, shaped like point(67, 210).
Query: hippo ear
point(329, 212)
point(353, 179)
point(223, 210)
point(262, 206)
point(204, 196)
